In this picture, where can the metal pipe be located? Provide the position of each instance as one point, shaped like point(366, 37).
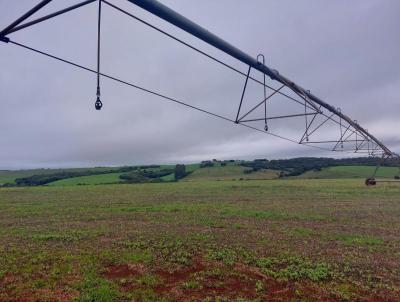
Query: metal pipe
point(21, 19)
point(169, 15)
point(187, 25)
point(55, 14)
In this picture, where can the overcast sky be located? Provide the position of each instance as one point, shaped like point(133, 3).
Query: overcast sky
point(345, 52)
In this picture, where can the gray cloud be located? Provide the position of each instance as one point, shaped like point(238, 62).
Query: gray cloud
point(345, 52)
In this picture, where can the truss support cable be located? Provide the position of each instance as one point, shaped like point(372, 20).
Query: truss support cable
point(200, 51)
point(228, 66)
point(284, 84)
point(162, 96)
point(342, 134)
point(162, 11)
point(306, 131)
point(167, 97)
point(266, 98)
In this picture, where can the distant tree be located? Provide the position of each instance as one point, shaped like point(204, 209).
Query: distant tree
point(206, 163)
point(223, 164)
point(180, 171)
point(134, 177)
point(297, 166)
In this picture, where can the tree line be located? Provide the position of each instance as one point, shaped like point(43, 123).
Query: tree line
point(297, 166)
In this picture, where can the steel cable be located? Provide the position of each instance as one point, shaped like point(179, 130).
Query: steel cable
point(165, 97)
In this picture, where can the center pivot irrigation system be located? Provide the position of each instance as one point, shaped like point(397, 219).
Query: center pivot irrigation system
point(317, 118)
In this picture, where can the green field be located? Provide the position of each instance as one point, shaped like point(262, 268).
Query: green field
point(230, 172)
point(88, 180)
point(9, 176)
point(270, 240)
point(351, 172)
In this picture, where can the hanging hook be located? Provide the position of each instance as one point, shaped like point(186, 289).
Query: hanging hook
point(261, 56)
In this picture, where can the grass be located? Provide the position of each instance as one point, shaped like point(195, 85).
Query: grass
point(294, 268)
point(97, 289)
point(108, 178)
point(293, 239)
point(229, 172)
point(351, 172)
point(359, 240)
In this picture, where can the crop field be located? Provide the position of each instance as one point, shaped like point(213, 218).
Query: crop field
point(270, 240)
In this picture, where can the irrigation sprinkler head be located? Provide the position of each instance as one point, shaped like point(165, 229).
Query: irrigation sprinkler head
point(98, 105)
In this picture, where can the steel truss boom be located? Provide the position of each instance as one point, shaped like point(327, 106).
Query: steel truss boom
point(364, 142)
point(169, 15)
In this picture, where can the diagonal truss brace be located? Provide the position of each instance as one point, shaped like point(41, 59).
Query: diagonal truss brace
point(243, 93)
